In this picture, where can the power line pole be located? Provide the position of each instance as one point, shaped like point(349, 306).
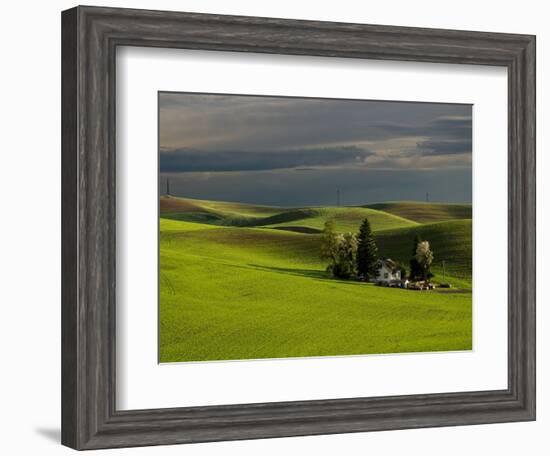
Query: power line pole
point(338, 197)
point(167, 187)
point(427, 197)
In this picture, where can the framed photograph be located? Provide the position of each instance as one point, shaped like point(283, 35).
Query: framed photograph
point(280, 228)
point(268, 250)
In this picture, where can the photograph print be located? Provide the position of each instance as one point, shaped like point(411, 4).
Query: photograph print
point(307, 227)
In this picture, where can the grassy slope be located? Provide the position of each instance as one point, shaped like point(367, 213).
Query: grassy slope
point(347, 219)
point(214, 212)
point(425, 212)
point(312, 219)
point(242, 293)
point(450, 241)
point(176, 204)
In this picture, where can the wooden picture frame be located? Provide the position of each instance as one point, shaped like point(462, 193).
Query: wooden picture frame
point(90, 36)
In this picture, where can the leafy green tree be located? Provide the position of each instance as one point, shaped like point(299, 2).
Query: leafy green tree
point(329, 242)
point(367, 252)
point(415, 269)
point(346, 256)
point(340, 250)
point(424, 256)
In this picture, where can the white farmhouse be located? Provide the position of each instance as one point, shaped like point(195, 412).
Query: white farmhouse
point(387, 271)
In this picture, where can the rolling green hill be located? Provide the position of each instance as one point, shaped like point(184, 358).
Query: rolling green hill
point(247, 282)
point(248, 245)
point(425, 212)
point(291, 219)
point(214, 212)
point(346, 219)
point(449, 241)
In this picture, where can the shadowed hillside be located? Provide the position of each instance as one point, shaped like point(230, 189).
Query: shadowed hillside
point(425, 212)
point(450, 242)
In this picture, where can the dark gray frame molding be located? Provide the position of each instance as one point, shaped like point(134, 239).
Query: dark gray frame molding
point(90, 36)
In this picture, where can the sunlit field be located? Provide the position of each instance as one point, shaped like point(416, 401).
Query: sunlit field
point(241, 281)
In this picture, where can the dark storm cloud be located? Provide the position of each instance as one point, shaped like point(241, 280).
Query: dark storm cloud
point(433, 148)
point(454, 127)
point(248, 148)
point(253, 123)
point(189, 160)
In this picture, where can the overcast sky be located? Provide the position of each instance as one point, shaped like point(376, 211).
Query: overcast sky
point(298, 151)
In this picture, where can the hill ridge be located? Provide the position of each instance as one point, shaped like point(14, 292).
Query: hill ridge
point(423, 212)
point(311, 219)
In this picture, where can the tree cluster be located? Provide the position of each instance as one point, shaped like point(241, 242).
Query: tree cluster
point(340, 250)
point(350, 255)
point(356, 255)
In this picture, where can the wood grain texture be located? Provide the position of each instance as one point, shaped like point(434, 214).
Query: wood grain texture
point(69, 284)
point(89, 39)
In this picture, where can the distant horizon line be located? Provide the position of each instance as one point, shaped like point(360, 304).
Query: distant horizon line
point(317, 205)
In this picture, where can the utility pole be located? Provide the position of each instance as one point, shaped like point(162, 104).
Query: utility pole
point(427, 197)
point(338, 197)
point(167, 187)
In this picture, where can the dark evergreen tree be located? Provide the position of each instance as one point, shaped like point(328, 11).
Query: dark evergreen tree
point(367, 252)
point(415, 268)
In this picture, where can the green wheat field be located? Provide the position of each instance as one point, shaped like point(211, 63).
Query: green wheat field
point(242, 281)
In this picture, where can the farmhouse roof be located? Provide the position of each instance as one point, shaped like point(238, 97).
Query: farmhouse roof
point(389, 263)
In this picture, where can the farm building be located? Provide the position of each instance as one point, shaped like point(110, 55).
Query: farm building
point(388, 271)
